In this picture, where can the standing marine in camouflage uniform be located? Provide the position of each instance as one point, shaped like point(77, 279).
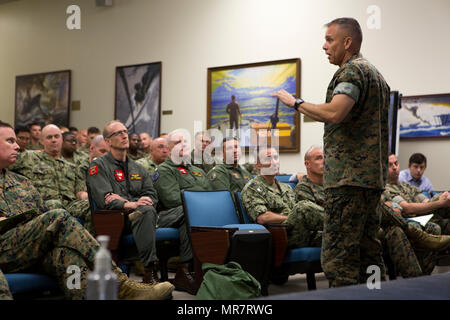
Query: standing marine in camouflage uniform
point(57, 180)
point(356, 152)
point(172, 176)
point(158, 154)
point(200, 157)
point(268, 201)
point(48, 241)
point(410, 258)
point(229, 175)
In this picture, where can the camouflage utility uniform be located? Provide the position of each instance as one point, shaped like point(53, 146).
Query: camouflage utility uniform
point(148, 164)
point(304, 219)
point(408, 260)
point(169, 179)
point(47, 243)
point(356, 157)
point(58, 182)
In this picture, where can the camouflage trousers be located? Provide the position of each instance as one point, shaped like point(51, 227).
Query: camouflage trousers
point(408, 260)
point(350, 244)
point(305, 225)
point(49, 244)
point(77, 208)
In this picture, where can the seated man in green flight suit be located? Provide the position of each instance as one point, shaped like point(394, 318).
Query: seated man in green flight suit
point(173, 175)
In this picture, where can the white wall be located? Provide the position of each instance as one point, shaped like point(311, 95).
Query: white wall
point(188, 36)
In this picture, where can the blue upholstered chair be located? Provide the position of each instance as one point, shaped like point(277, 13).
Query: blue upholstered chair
point(123, 247)
point(288, 261)
point(32, 286)
point(218, 236)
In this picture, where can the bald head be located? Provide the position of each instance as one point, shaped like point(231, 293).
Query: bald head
point(159, 150)
point(51, 139)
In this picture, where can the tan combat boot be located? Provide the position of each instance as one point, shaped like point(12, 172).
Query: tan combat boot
point(132, 290)
point(428, 241)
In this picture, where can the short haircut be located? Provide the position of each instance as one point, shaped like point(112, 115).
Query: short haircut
point(73, 129)
point(19, 129)
point(67, 133)
point(5, 125)
point(35, 124)
point(229, 138)
point(93, 130)
point(353, 28)
point(417, 158)
point(310, 149)
point(261, 149)
point(198, 133)
point(106, 131)
point(97, 140)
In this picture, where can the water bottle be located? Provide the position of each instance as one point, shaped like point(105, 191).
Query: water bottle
point(102, 282)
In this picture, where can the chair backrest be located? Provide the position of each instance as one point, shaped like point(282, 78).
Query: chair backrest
point(209, 208)
point(283, 178)
point(241, 208)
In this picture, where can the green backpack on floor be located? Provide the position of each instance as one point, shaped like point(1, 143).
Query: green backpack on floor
point(227, 282)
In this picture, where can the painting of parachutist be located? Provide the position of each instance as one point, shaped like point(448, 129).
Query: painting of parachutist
point(43, 98)
point(240, 103)
point(426, 116)
point(138, 97)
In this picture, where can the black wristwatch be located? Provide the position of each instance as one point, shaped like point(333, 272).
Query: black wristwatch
point(297, 103)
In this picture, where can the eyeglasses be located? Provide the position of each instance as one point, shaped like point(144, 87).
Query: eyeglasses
point(118, 133)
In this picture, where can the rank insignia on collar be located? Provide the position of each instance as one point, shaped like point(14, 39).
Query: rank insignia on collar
point(93, 171)
point(197, 174)
point(236, 175)
point(182, 170)
point(118, 173)
point(135, 177)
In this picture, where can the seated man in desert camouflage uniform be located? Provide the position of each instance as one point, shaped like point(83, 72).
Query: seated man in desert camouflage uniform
point(49, 241)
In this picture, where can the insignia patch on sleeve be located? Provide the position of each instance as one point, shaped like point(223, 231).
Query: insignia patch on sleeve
point(93, 171)
point(155, 176)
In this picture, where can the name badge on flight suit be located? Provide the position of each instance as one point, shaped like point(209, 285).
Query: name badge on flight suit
point(118, 173)
point(135, 177)
point(197, 174)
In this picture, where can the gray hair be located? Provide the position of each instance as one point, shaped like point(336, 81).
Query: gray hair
point(310, 149)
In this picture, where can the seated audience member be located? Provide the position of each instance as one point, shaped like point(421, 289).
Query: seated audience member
point(199, 157)
point(98, 148)
point(91, 132)
point(35, 131)
point(229, 175)
point(69, 149)
point(172, 176)
point(49, 241)
point(158, 154)
point(268, 201)
point(23, 137)
point(133, 151)
point(82, 139)
point(310, 186)
point(116, 182)
point(414, 174)
point(412, 203)
point(145, 143)
point(75, 131)
point(57, 180)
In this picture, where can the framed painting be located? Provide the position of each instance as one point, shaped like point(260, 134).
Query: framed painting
point(426, 116)
point(138, 97)
point(239, 103)
point(43, 98)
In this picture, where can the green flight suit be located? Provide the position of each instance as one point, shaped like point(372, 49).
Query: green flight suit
point(169, 179)
point(227, 177)
point(130, 181)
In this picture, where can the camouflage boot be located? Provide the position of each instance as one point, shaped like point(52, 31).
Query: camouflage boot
point(132, 290)
point(425, 240)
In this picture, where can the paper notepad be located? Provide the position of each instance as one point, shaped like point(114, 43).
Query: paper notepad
point(423, 220)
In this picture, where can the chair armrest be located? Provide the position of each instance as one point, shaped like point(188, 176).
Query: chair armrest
point(110, 223)
point(279, 241)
